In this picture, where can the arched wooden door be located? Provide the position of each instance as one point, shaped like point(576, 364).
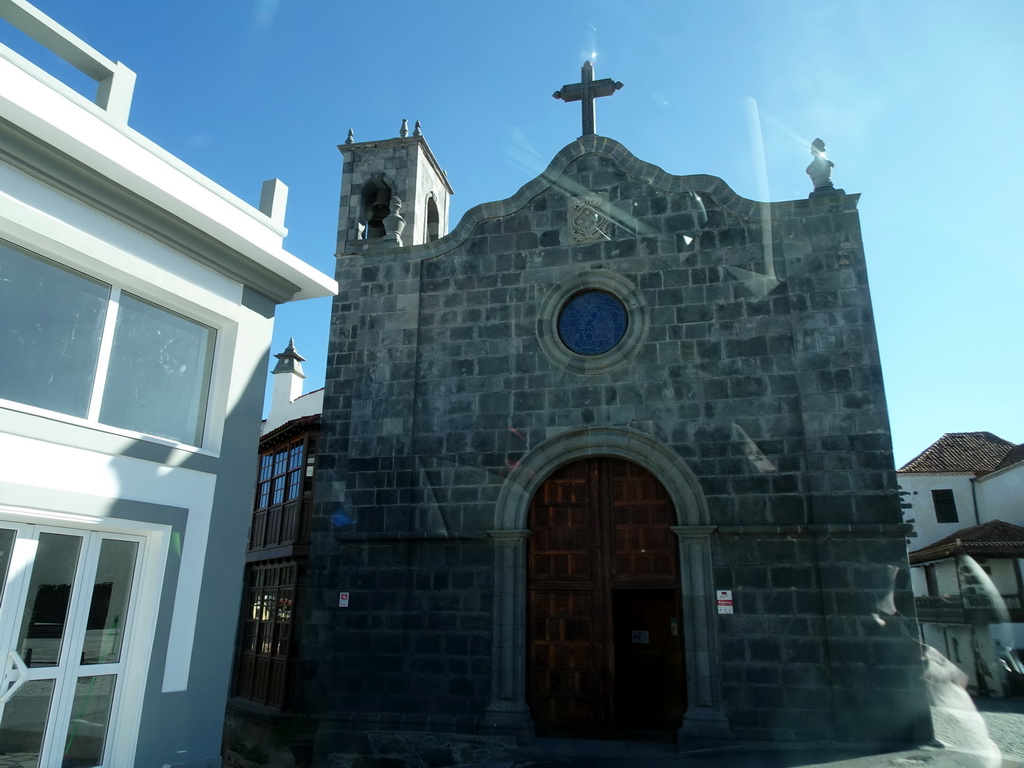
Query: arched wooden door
point(603, 618)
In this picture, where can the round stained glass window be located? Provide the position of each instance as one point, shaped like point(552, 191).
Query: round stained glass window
point(592, 323)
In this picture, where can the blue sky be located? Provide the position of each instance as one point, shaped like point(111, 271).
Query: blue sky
point(919, 103)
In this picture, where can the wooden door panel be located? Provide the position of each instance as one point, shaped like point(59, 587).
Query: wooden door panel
point(560, 518)
point(563, 673)
point(644, 547)
point(595, 524)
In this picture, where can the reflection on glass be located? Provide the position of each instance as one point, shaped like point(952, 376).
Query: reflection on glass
point(6, 545)
point(90, 721)
point(159, 375)
point(52, 320)
point(49, 592)
point(24, 723)
point(111, 590)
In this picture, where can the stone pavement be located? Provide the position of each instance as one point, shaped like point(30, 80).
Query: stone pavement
point(990, 737)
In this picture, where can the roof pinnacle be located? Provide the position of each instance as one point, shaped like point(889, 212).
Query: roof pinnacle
point(289, 361)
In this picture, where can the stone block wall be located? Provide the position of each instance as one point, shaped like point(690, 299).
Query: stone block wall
point(751, 356)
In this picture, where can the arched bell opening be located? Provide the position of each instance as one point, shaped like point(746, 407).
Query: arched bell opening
point(433, 219)
point(376, 206)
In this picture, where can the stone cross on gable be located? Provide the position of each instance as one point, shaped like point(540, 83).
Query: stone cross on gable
point(586, 91)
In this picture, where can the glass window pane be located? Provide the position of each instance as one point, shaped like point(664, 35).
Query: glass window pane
point(280, 462)
point(295, 456)
point(49, 592)
point(111, 589)
point(266, 460)
point(159, 375)
point(278, 490)
point(593, 322)
point(90, 721)
point(51, 320)
point(294, 484)
point(24, 722)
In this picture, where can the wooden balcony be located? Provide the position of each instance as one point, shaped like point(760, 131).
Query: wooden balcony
point(280, 531)
point(967, 609)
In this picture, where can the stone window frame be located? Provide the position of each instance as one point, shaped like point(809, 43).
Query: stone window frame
point(599, 279)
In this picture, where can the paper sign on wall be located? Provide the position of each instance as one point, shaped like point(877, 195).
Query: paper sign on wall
point(724, 599)
point(343, 599)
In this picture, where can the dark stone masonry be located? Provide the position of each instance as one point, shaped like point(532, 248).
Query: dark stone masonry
point(742, 402)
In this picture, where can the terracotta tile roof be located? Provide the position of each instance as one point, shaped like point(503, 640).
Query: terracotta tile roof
point(974, 452)
point(992, 539)
point(289, 430)
point(1015, 456)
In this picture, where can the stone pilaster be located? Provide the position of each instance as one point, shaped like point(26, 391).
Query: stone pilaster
point(507, 711)
point(704, 716)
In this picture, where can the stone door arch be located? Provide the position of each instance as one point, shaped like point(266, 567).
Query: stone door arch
point(508, 711)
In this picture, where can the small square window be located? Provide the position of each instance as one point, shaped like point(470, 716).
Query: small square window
point(945, 506)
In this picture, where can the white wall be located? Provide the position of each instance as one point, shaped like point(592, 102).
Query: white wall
point(282, 412)
point(922, 510)
point(1001, 495)
point(1002, 574)
point(946, 579)
point(88, 192)
point(918, 580)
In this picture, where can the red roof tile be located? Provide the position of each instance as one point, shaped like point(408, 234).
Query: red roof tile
point(288, 430)
point(992, 539)
point(1015, 456)
point(974, 452)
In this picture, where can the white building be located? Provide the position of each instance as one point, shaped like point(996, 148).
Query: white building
point(287, 401)
point(960, 480)
point(136, 304)
point(964, 496)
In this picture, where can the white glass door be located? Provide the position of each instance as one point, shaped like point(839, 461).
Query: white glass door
point(65, 603)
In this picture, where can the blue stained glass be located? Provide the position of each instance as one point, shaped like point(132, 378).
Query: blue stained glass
point(593, 322)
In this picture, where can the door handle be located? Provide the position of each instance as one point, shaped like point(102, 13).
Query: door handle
point(15, 659)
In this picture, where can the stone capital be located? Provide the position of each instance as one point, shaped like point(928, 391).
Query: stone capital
point(509, 536)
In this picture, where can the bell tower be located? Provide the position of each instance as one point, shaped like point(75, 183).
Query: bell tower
point(393, 193)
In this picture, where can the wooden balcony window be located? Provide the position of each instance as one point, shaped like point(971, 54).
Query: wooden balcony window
point(281, 516)
point(266, 657)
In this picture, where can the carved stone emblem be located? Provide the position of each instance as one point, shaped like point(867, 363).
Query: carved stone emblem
point(586, 220)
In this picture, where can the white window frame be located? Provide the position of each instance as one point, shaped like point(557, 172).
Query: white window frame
point(127, 272)
point(124, 732)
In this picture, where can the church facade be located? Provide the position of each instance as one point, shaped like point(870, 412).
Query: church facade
point(612, 456)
